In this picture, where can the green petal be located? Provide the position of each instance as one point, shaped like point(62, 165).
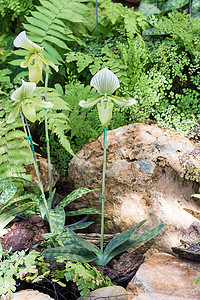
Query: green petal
point(21, 41)
point(35, 70)
point(29, 111)
point(50, 63)
point(105, 81)
point(90, 102)
point(24, 91)
point(28, 60)
point(105, 112)
point(41, 103)
point(13, 115)
point(121, 101)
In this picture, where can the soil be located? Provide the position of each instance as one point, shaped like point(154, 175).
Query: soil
point(25, 233)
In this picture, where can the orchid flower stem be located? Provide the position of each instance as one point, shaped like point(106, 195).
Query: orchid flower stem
point(47, 133)
point(103, 186)
point(31, 147)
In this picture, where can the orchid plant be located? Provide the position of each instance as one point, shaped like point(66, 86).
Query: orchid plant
point(35, 59)
point(106, 83)
point(25, 99)
point(75, 247)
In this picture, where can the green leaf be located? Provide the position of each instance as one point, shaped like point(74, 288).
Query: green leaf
point(8, 193)
point(81, 226)
point(16, 210)
point(71, 237)
point(198, 280)
point(14, 200)
point(121, 238)
point(50, 199)
point(196, 195)
point(171, 4)
point(83, 211)
point(133, 241)
point(73, 196)
point(5, 223)
point(57, 220)
point(148, 8)
point(70, 252)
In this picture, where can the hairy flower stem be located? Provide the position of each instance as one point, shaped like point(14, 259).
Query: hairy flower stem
point(103, 186)
point(31, 147)
point(47, 134)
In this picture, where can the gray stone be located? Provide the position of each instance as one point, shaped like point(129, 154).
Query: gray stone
point(142, 182)
point(31, 295)
point(108, 293)
point(165, 277)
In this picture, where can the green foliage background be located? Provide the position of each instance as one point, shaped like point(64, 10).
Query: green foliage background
point(155, 56)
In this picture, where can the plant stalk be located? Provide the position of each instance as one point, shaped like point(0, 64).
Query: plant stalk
point(103, 186)
point(31, 147)
point(47, 133)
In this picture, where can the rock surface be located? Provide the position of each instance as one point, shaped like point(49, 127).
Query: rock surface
point(44, 175)
point(142, 181)
point(31, 295)
point(192, 233)
point(108, 293)
point(165, 277)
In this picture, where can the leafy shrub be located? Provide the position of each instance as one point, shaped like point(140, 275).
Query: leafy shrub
point(86, 277)
point(17, 266)
point(12, 12)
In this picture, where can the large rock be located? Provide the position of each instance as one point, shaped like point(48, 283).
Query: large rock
point(165, 277)
point(44, 173)
point(142, 181)
point(108, 293)
point(31, 295)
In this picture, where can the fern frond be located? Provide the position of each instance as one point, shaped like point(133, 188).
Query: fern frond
point(62, 138)
point(14, 151)
point(52, 25)
point(57, 116)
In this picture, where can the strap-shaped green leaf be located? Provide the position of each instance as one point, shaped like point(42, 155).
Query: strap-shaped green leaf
point(14, 200)
point(16, 210)
point(5, 222)
point(196, 195)
point(57, 220)
point(8, 193)
point(81, 226)
point(50, 199)
point(73, 196)
point(83, 211)
point(72, 252)
point(70, 237)
point(173, 4)
point(4, 183)
point(121, 238)
point(25, 183)
point(133, 241)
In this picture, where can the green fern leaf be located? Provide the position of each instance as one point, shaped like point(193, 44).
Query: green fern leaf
point(53, 22)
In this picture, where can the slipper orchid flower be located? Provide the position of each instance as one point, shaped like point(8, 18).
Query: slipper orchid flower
point(105, 82)
point(34, 60)
point(24, 96)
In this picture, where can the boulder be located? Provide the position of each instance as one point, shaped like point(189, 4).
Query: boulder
point(142, 182)
point(108, 293)
point(44, 173)
point(31, 295)
point(165, 277)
